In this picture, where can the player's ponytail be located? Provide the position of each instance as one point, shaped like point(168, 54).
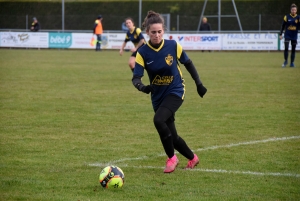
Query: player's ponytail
point(152, 18)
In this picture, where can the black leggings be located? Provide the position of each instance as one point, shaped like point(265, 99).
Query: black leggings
point(164, 122)
point(286, 49)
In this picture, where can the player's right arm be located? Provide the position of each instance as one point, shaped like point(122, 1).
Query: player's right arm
point(124, 44)
point(138, 74)
point(283, 26)
point(122, 48)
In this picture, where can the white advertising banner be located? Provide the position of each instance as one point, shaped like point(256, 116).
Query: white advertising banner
point(109, 41)
point(290, 47)
point(24, 39)
point(65, 40)
point(259, 41)
point(197, 41)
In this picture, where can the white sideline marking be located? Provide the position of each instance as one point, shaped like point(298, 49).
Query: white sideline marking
point(212, 148)
point(250, 142)
point(225, 171)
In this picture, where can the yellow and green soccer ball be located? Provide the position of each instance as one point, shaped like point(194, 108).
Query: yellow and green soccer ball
point(111, 177)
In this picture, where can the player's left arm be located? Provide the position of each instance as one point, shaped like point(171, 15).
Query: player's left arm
point(184, 59)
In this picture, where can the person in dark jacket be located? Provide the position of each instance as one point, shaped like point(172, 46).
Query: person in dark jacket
point(205, 26)
point(35, 26)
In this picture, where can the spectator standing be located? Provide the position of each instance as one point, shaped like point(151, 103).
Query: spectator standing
point(205, 26)
point(98, 31)
point(124, 27)
point(35, 26)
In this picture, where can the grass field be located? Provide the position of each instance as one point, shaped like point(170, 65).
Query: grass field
point(66, 114)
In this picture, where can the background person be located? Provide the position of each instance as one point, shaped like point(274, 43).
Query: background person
point(205, 26)
point(98, 30)
point(159, 58)
point(35, 26)
point(291, 25)
point(124, 27)
point(134, 35)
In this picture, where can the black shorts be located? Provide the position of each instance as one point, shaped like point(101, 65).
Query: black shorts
point(293, 42)
point(134, 53)
point(172, 102)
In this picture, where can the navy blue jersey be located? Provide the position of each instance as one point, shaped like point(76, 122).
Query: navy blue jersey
point(162, 68)
point(135, 36)
point(291, 25)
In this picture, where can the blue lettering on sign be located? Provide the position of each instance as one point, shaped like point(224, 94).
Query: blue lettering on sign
point(238, 36)
point(209, 38)
point(271, 36)
point(60, 40)
point(256, 36)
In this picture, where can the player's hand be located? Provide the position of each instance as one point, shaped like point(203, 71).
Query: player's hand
point(121, 52)
point(147, 89)
point(280, 37)
point(201, 90)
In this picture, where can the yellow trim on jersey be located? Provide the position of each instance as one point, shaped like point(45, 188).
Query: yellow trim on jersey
point(285, 18)
point(156, 50)
point(293, 15)
point(132, 30)
point(138, 31)
point(139, 59)
point(179, 50)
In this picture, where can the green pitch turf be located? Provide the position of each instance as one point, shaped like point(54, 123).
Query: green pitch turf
point(66, 114)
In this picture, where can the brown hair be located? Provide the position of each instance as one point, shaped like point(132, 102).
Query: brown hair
point(294, 6)
point(152, 18)
point(129, 18)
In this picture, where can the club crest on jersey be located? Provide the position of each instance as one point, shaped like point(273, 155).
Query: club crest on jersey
point(296, 21)
point(169, 60)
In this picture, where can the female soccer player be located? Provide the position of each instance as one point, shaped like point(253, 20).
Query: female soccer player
point(291, 25)
point(136, 37)
point(159, 58)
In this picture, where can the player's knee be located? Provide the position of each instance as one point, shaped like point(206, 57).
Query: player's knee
point(158, 121)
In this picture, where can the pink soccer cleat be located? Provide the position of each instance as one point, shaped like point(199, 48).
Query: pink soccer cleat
point(171, 164)
point(192, 163)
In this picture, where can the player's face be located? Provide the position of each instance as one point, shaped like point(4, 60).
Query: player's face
point(155, 33)
point(129, 24)
point(293, 11)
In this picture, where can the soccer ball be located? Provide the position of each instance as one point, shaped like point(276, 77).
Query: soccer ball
point(111, 177)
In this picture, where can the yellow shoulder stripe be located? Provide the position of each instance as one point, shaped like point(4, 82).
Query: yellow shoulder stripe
point(138, 31)
point(179, 50)
point(139, 59)
point(285, 18)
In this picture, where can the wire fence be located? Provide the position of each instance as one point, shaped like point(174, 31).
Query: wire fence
point(113, 22)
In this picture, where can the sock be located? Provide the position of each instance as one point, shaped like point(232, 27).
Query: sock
point(286, 54)
point(293, 57)
point(179, 144)
point(183, 149)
